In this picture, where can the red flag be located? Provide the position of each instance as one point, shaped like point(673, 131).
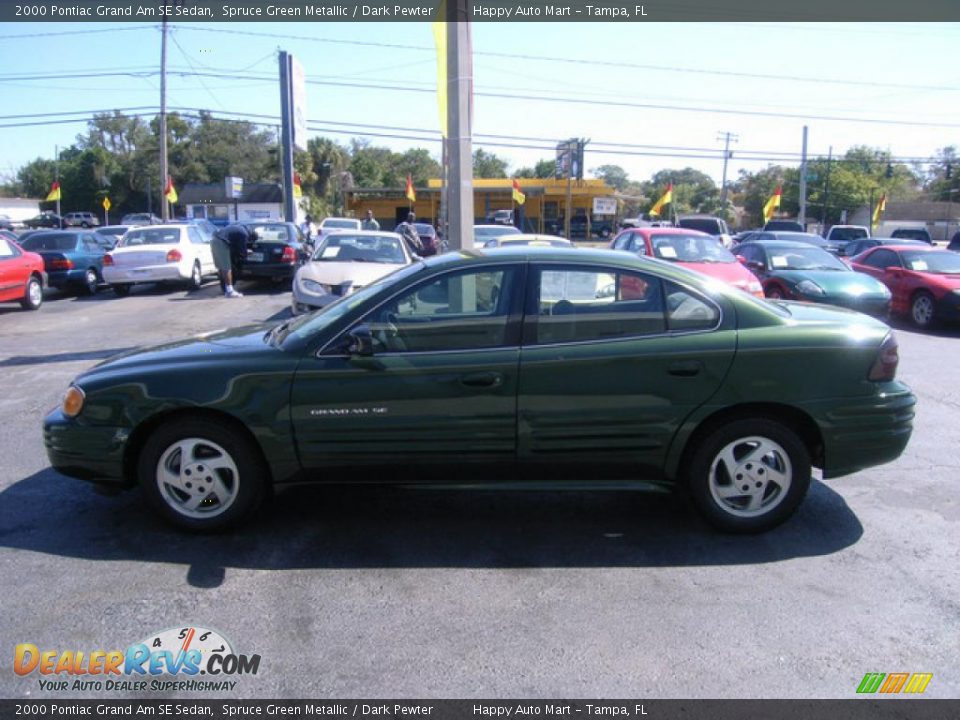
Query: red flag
point(411, 193)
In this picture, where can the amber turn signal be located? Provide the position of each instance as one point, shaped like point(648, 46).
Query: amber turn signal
point(73, 401)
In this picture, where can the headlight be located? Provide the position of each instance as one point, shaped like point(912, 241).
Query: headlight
point(314, 287)
point(754, 287)
point(808, 287)
point(73, 401)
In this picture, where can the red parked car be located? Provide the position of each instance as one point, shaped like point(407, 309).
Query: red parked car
point(21, 275)
point(925, 282)
point(692, 249)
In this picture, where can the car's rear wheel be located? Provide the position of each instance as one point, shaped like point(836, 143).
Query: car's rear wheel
point(122, 290)
point(196, 277)
point(32, 294)
point(749, 475)
point(91, 281)
point(922, 309)
point(201, 475)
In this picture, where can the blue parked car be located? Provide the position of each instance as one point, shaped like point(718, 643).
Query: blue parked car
point(72, 259)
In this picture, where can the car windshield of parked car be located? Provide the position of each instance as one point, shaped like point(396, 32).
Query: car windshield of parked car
point(305, 326)
point(350, 224)
point(480, 232)
point(942, 262)
point(271, 232)
point(802, 237)
point(344, 247)
point(151, 236)
point(690, 248)
point(804, 258)
point(51, 241)
point(537, 241)
point(848, 233)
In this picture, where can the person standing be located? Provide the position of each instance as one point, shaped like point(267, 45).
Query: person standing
point(223, 247)
point(370, 222)
point(408, 231)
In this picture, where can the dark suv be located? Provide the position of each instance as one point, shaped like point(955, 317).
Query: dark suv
point(81, 219)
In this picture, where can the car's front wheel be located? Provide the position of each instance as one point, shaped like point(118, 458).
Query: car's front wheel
point(923, 309)
point(201, 475)
point(749, 475)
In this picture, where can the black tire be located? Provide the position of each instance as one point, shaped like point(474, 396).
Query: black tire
point(91, 281)
point(776, 481)
point(196, 277)
point(122, 290)
point(213, 441)
point(923, 310)
point(32, 294)
point(84, 225)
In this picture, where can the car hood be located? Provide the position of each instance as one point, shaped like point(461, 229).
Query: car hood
point(337, 273)
point(202, 348)
point(733, 273)
point(836, 282)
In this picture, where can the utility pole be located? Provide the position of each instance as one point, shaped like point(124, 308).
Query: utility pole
point(726, 137)
point(826, 191)
point(164, 171)
point(286, 145)
point(459, 125)
point(56, 171)
point(802, 213)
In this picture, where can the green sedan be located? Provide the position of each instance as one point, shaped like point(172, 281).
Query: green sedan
point(509, 368)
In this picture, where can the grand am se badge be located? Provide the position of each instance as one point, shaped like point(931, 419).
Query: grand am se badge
point(322, 412)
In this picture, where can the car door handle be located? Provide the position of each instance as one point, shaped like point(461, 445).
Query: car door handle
point(685, 368)
point(482, 379)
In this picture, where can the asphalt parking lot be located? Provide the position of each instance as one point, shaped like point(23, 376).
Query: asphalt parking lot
point(374, 593)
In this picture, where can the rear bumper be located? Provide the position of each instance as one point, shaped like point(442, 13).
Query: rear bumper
point(66, 278)
point(273, 271)
point(84, 452)
point(172, 272)
point(863, 432)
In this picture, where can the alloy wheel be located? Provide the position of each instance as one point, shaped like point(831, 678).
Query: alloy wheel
point(197, 478)
point(750, 476)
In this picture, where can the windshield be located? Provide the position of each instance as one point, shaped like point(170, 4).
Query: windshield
point(942, 262)
point(541, 241)
point(490, 232)
point(804, 258)
point(151, 236)
point(271, 232)
point(803, 237)
point(852, 233)
point(304, 326)
point(53, 241)
point(111, 230)
point(424, 229)
point(690, 248)
point(350, 224)
point(344, 247)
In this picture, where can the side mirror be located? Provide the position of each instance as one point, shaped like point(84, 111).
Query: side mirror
point(361, 341)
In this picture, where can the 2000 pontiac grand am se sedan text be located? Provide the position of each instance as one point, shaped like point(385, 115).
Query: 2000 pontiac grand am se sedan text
point(464, 363)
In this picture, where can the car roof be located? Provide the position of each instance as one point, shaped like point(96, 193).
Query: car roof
point(668, 231)
point(781, 243)
point(368, 233)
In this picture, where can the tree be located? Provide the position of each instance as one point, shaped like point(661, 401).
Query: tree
point(613, 175)
point(544, 169)
point(488, 165)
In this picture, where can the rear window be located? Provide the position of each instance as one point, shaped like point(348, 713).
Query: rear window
point(151, 236)
point(848, 233)
point(54, 241)
point(274, 232)
point(351, 224)
point(707, 225)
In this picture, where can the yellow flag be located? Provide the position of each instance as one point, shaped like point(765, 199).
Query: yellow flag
point(170, 192)
point(878, 210)
point(772, 204)
point(665, 199)
point(440, 40)
point(54, 193)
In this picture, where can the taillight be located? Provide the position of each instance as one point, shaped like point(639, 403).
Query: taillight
point(888, 357)
point(61, 264)
point(174, 256)
point(289, 255)
point(107, 260)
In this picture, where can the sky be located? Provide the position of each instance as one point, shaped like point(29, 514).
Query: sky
point(631, 88)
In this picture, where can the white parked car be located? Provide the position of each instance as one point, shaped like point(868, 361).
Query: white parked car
point(336, 224)
point(159, 254)
point(483, 233)
point(344, 262)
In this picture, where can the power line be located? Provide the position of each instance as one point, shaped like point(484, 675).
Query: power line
point(583, 61)
point(22, 36)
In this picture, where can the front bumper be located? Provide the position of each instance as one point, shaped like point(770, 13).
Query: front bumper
point(304, 301)
point(875, 305)
point(863, 432)
point(85, 452)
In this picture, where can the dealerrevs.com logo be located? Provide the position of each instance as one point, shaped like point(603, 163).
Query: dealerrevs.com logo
point(178, 659)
